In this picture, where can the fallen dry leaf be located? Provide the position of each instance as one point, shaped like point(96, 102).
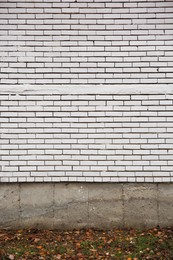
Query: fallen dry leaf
point(11, 257)
point(36, 240)
point(87, 244)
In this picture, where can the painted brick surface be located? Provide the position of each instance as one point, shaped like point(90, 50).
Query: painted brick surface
point(53, 133)
point(93, 138)
point(89, 42)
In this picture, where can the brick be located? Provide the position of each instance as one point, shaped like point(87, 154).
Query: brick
point(93, 43)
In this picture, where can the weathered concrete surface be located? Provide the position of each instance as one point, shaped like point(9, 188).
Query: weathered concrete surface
point(70, 205)
point(140, 205)
point(105, 205)
point(9, 206)
point(36, 205)
point(82, 205)
point(165, 197)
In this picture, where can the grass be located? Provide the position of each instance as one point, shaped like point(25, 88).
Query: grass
point(87, 244)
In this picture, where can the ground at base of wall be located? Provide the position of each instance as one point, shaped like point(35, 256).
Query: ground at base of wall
point(129, 244)
point(66, 206)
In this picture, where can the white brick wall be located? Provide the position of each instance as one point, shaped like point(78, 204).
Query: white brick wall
point(97, 138)
point(86, 90)
point(88, 42)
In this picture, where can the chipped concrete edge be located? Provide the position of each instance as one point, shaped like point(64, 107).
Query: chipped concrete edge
point(85, 89)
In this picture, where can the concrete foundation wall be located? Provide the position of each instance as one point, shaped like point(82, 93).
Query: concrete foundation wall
point(82, 205)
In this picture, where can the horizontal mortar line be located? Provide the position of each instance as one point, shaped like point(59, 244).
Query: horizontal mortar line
point(85, 24)
point(132, 112)
point(131, 104)
point(59, 133)
point(114, 115)
point(18, 137)
point(65, 120)
point(117, 46)
point(88, 144)
point(10, 1)
point(87, 7)
point(113, 138)
point(91, 133)
point(63, 150)
point(90, 175)
point(62, 95)
point(83, 13)
point(123, 127)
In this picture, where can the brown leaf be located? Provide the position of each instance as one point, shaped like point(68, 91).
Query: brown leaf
point(93, 250)
point(11, 257)
point(78, 245)
point(36, 240)
point(39, 247)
